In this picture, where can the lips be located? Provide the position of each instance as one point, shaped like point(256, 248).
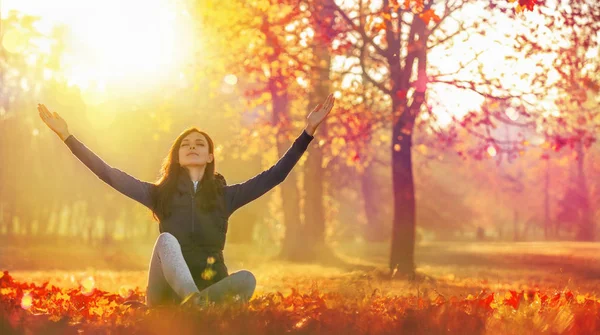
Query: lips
point(192, 153)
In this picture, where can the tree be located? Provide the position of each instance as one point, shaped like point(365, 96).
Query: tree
point(572, 81)
point(269, 54)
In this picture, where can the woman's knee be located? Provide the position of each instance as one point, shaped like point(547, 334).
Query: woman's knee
point(246, 278)
point(166, 238)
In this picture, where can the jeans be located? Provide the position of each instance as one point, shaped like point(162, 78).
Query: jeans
point(170, 279)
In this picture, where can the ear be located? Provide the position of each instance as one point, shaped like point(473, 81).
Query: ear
point(211, 157)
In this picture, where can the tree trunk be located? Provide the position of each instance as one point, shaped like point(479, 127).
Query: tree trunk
point(404, 221)
point(586, 225)
point(547, 200)
point(292, 249)
point(314, 210)
point(516, 226)
point(9, 217)
point(374, 231)
point(248, 216)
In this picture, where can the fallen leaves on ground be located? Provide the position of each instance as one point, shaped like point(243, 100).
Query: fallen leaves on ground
point(31, 308)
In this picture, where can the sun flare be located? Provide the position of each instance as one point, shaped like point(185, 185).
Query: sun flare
point(116, 44)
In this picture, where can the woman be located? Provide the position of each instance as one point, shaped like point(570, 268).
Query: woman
point(192, 204)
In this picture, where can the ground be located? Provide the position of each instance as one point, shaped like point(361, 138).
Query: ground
point(461, 288)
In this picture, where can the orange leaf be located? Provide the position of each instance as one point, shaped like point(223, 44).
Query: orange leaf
point(429, 15)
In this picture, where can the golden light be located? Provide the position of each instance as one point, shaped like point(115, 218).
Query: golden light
point(14, 41)
point(512, 114)
point(122, 44)
point(208, 274)
point(491, 150)
point(231, 79)
point(26, 301)
point(125, 291)
point(87, 285)
point(495, 50)
point(302, 82)
point(301, 323)
point(453, 102)
point(47, 74)
point(24, 84)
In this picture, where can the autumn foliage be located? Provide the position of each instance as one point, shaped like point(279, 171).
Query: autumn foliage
point(31, 308)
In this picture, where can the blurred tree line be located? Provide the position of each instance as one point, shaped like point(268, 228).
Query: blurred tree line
point(384, 162)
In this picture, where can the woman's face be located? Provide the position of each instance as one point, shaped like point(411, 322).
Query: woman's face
point(193, 150)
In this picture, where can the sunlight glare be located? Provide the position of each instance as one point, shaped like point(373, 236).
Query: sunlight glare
point(87, 285)
point(13, 41)
point(26, 301)
point(125, 291)
point(452, 102)
point(512, 114)
point(231, 79)
point(452, 58)
point(121, 43)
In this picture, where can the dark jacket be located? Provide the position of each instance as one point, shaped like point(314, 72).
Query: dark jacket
point(201, 234)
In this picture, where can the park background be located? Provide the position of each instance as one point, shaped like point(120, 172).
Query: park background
point(461, 154)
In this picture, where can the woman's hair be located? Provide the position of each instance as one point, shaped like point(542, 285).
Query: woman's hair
point(211, 185)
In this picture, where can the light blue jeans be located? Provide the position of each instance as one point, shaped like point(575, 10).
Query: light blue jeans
point(170, 279)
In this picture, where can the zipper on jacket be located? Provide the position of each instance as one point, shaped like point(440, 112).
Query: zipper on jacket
point(194, 202)
point(193, 205)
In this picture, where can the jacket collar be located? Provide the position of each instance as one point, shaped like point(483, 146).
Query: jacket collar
point(184, 183)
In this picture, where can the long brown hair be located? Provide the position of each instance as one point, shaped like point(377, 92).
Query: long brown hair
point(211, 184)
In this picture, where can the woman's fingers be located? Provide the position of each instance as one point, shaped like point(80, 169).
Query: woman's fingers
point(317, 107)
point(329, 103)
point(43, 114)
point(326, 105)
point(48, 113)
point(47, 116)
point(43, 111)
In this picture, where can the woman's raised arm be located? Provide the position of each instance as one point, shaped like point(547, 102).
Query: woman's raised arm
point(135, 189)
point(238, 195)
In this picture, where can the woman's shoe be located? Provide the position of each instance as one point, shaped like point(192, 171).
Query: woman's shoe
point(135, 304)
point(195, 299)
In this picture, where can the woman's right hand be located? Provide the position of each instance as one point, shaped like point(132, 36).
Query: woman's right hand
point(54, 122)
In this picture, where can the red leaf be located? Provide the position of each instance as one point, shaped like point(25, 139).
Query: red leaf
point(569, 296)
point(429, 15)
point(379, 26)
point(514, 299)
point(401, 94)
point(529, 4)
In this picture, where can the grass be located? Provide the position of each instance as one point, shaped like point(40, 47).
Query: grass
point(495, 288)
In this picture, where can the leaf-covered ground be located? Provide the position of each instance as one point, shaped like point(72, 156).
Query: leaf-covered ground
point(462, 289)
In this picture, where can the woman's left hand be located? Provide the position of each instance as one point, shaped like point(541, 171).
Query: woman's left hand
point(318, 114)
